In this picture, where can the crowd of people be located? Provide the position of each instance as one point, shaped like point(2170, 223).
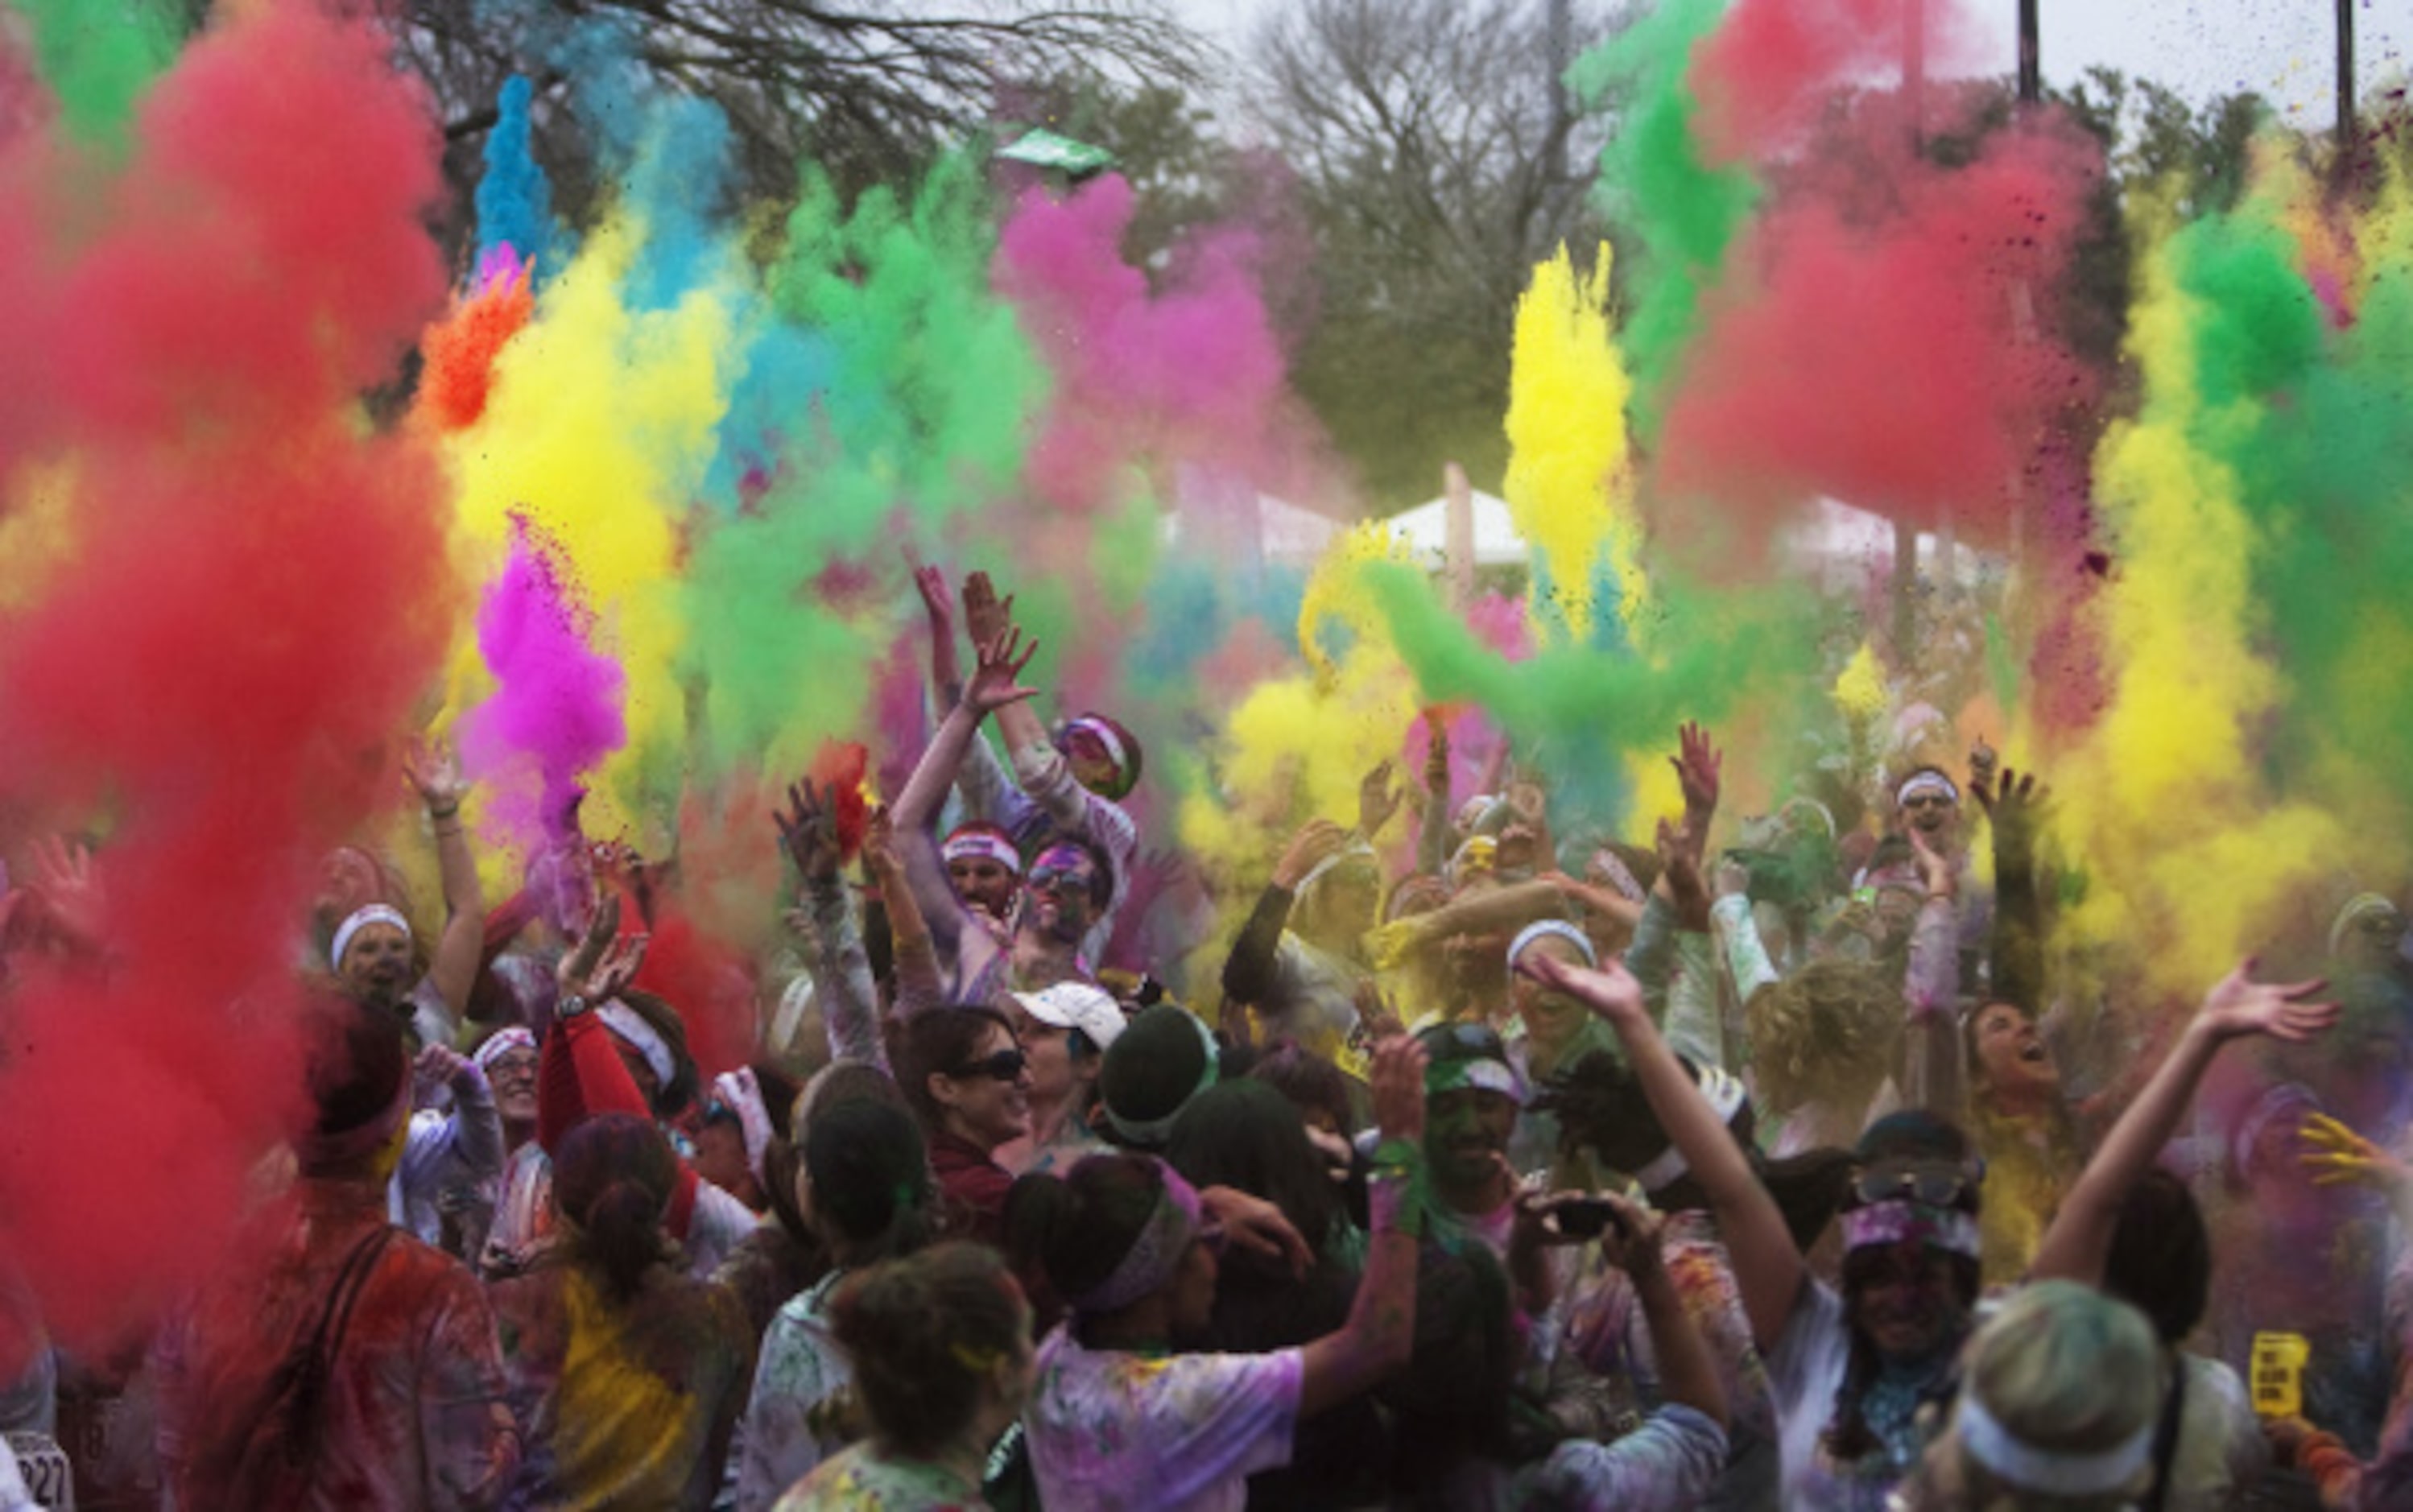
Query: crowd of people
point(1495, 1166)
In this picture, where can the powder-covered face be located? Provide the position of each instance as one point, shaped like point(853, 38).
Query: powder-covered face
point(1092, 767)
point(1466, 1135)
point(985, 884)
point(1936, 816)
point(377, 962)
point(1903, 1297)
point(1059, 892)
point(1552, 1018)
point(512, 1076)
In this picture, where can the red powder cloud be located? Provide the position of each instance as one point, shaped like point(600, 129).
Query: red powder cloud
point(255, 595)
point(1883, 334)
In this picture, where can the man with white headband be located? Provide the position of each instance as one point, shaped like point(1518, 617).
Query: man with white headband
point(1070, 785)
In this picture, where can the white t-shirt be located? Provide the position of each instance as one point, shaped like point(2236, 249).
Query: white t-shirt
point(1803, 1371)
point(1179, 1434)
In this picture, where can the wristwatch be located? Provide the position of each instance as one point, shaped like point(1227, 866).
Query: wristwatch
point(570, 1007)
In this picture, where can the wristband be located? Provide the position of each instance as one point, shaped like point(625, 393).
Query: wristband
point(1393, 1206)
point(439, 815)
point(1398, 1157)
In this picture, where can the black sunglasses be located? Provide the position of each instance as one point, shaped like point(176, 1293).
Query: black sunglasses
point(1005, 1065)
point(1938, 1186)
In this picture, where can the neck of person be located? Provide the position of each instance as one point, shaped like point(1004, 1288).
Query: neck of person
point(965, 1457)
point(1476, 1198)
point(517, 1132)
point(1144, 1328)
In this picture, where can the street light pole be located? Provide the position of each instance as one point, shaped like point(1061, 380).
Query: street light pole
point(2031, 60)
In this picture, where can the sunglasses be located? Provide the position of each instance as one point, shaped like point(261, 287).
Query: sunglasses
point(1937, 1186)
point(1060, 880)
point(1926, 800)
point(1005, 1065)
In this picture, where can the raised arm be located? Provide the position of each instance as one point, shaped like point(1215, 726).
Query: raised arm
point(1433, 833)
point(2078, 1243)
point(921, 981)
point(1933, 1076)
point(995, 684)
point(1248, 972)
point(1767, 1268)
point(434, 774)
point(841, 970)
point(1381, 1327)
point(2015, 809)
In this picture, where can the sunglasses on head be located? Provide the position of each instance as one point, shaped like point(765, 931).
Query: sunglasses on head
point(1005, 1065)
point(1936, 1185)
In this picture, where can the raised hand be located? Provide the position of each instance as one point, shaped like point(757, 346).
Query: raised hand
point(1679, 862)
point(1437, 755)
point(2238, 1007)
point(1317, 841)
point(985, 615)
point(1396, 1080)
point(1377, 1018)
point(880, 842)
point(2337, 1156)
point(602, 964)
point(997, 681)
point(1609, 989)
point(1933, 869)
point(71, 891)
point(434, 772)
point(1696, 772)
point(1378, 800)
point(810, 832)
point(2016, 805)
point(938, 604)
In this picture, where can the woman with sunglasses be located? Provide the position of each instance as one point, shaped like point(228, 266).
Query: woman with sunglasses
point(1119, 1415)
point(1848, 1371)
point(966, 1077)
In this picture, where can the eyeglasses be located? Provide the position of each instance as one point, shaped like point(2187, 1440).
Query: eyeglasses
point(1005, 1065)
point(1462, 1042)
point(1936, 1185)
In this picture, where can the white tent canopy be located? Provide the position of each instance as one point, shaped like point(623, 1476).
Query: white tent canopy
point(1426, 530)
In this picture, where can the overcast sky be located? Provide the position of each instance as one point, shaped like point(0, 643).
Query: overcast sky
point(2202, 48)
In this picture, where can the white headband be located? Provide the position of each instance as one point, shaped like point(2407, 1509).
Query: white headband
point(629, 1024)
point(1926, 782)
point(361, 919)
point(1726, 1094)
point(969, 842)
point(501, 1043)
point(1356, 850)
point(743, 1095)
point(1091, 725)
point(1547, 928)
point(2055, 1471)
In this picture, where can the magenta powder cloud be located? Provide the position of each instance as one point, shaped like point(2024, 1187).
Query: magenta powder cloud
point(558, 706)
point(1191, 370)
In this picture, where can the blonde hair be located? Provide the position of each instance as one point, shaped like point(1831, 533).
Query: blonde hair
point(2065, 1371)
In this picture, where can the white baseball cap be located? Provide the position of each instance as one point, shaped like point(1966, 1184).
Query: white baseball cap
point(1076, 1005)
